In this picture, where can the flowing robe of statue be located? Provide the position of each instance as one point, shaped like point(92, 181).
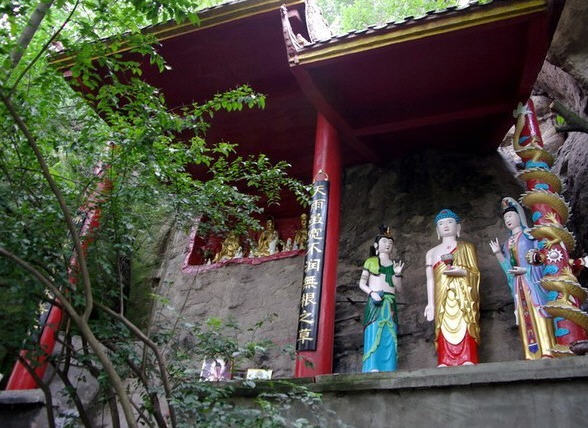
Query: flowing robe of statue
point(380, 324)
point(268, 240)
point(535, 327)
point(229, 248)
point(457, 308)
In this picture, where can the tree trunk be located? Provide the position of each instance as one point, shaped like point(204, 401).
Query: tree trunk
point(29, 31)
point(44, 388)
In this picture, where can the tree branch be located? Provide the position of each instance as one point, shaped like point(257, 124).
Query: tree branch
point(151, 394)
point(29, 31)
point(44, 388)
point(574, 122)
point(43, 279)
point(61, 200)
point(73, 394)
point(162, 369)
point(44, 48)
point(94, 371)
point(86, 332)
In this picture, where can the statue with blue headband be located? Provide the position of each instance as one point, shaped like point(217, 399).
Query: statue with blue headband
point(453, 298)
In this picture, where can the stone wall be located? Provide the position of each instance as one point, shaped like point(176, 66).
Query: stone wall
point(246, 293)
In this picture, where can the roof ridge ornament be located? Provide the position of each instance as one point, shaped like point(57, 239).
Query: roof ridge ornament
point(294, 42)
point(317, 26)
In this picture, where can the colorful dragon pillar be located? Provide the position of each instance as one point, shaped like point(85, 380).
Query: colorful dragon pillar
point(550, 212)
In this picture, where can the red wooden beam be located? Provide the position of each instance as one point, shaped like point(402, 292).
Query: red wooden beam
point(537, 40)
point(435, 119)
point(317, 99)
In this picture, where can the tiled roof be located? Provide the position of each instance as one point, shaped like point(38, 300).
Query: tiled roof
point(407, 21)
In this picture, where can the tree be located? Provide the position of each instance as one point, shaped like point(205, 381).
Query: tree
point(52, 141)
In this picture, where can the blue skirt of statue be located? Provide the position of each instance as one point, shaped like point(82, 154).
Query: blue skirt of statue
point(379, 335)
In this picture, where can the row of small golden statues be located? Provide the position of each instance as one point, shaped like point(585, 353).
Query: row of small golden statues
point(268, 243)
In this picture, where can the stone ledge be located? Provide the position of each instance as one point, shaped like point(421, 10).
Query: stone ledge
point(482, 374)
point(22, 398)
point(486, 373)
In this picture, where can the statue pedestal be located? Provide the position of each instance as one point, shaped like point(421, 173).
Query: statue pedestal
point(542, 394)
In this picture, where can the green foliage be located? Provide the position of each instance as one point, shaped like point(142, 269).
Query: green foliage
point(210, 404)
point(122, 133)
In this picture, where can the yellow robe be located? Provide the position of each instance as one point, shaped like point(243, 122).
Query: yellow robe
point(457, 299)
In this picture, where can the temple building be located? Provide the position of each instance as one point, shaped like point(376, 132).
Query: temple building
point(426, 91)
point(401, 120)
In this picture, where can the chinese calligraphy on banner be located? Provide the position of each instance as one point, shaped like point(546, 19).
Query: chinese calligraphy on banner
point(313, 268)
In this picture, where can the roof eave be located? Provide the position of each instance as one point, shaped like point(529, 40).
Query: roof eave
point(210, 17)
point(433, 24)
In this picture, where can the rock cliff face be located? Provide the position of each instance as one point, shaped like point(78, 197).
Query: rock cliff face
point(568, 48)
point(570, 149)
point(564, 77)
point(406, 195)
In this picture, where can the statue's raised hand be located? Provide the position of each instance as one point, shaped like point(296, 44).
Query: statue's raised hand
point(398, 267)
point(494, 246)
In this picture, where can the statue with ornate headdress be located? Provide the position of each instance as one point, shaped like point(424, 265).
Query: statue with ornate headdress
point(453, 301)
point(380, 279)
point(535, 325)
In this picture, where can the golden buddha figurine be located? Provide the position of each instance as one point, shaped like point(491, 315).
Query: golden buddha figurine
point(229, 248)
point(268, 240)
point(301, 234)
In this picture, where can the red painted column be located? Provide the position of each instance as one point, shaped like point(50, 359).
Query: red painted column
point(327, 158)
point(20, 377)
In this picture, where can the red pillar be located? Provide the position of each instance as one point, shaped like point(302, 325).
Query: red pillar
point(327, 158)
point(20, 377)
